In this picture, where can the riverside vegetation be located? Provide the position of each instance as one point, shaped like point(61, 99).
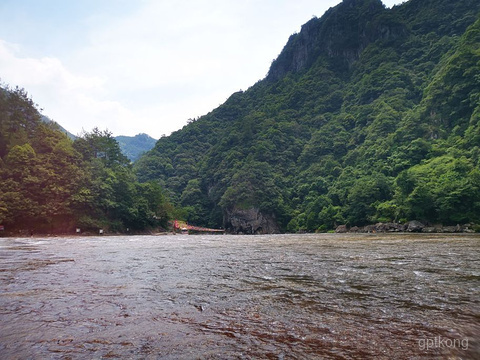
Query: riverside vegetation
point(367, 115)
point(53, 184)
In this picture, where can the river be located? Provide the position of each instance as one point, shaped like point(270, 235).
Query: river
point(325, 296)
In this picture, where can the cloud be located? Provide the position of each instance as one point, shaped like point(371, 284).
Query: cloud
point(170, 61)
point(150, 66)
point(73, 101)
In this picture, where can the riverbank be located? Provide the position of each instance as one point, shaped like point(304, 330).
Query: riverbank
point(411, 226)
point(34, 234)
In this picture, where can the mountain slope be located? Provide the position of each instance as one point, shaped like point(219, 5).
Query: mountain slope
point(47, 120)
point(368, 114)
point(134, 146)
point(52, 184)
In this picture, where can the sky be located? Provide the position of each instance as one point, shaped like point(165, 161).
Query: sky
point(142, 66)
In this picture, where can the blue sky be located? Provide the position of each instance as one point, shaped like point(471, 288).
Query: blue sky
point(142, 66)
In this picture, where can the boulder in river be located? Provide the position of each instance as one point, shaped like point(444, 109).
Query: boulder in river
point(414, 226)
point(341, 229)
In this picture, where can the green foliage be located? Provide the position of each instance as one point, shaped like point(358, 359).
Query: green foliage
point(134, 146)
point(444, 189)
point(50, 184)
point(110, 194)
point(369, 114)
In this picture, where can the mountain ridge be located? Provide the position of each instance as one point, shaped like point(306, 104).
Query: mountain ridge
point(134, 146)
point(131, 146)
point(321, 142)
point(321, 36)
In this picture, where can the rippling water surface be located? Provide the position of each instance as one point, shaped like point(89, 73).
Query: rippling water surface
point(241, 297)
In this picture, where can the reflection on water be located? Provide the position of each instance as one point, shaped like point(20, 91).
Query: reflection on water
point(241, 297)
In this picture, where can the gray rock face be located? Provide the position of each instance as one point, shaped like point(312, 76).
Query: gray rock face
point(341, 33)
point(414, 226)
point(389, 227)
point(250, 221)
point(411, 226)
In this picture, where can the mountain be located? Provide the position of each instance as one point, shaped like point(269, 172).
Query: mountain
point(50, 183)
point(131, 146)
point(47, 120)
point(368, 115)
point(134, 146)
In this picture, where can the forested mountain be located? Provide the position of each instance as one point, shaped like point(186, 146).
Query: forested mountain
point(52, 184)
point(131, 146)
point(134, 146)
point(47, 120)
point(367, 115)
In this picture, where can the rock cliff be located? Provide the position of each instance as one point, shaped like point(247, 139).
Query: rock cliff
point(250, 221)
point(340, 35)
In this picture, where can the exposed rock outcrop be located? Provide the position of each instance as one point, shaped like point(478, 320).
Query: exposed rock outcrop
point(250, 221)
point(341, 229)
point(342, 33)
point(411, 226)
point(414, 226)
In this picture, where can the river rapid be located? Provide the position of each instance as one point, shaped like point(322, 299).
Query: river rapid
point(322, 296)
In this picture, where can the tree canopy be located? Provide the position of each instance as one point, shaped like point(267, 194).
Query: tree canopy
point(52, 184)
point(369, 114)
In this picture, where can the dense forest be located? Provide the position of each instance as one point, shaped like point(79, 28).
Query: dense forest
point(368, 115)
point(52, 184)
point(134, 146)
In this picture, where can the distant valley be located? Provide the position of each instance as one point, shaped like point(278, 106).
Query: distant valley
point(134, 146)
point(131, 146)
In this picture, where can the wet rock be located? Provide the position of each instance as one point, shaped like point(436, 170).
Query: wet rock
point(389, 227)
point(381, 227)
point(199, 307)
point(414, 226)
point(468, 228)
point(450, 229)
point(341, 229)
point(250, 221)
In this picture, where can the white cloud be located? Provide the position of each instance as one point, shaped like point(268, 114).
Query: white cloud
point(170, 61)
point(73, 101)
point(151, 67)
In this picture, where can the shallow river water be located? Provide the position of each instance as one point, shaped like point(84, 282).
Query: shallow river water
point(241, 297)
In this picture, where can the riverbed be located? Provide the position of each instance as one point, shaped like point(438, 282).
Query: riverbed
point(312, 296)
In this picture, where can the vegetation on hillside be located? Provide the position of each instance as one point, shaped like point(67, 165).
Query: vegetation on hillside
point(369, 114)
point(51, 184)
point(134, 146)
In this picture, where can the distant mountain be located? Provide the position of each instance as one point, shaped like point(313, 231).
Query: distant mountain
point(50, 184)
point(131, 146)
point(134, 146)
point(368, 115)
